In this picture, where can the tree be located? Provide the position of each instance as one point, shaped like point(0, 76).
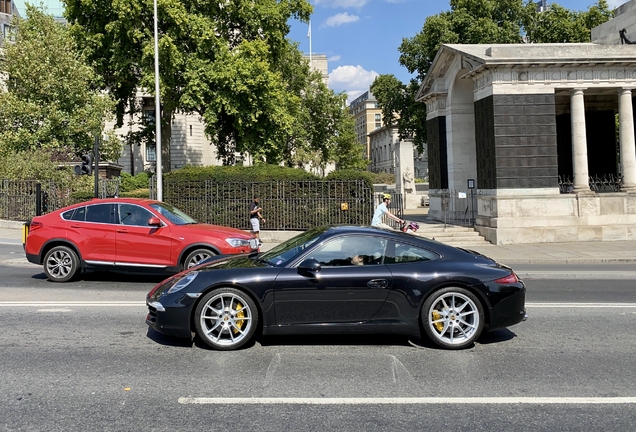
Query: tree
point(49, 104)
point(558, 24)
point(223, 60)
point(475, 22)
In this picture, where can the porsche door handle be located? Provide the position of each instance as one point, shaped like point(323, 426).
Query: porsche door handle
point(378, 283)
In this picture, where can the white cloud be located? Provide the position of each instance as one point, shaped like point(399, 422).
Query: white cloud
point(340, 19)
point(334, 58)
point(342, 3)
point(352, 79)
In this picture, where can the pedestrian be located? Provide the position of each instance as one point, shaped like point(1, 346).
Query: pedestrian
point(256, 218)
point(382, 210)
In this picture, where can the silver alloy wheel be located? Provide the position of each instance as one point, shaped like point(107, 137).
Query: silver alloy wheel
point(198, 256)
point(454, 318)
point(226, 319)
point(59, 264)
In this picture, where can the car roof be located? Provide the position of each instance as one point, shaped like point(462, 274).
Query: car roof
point(334, 230)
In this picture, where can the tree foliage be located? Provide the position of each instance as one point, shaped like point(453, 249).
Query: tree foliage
point(230, 62)
point(49, 103)
point(477, 22)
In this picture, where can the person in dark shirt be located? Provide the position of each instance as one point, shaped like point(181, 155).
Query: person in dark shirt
point(256, 218)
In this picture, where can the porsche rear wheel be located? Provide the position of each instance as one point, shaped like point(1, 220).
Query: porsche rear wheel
point(453, 318)
point(226, 319)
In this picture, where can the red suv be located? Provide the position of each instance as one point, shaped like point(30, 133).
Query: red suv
point(126, 234)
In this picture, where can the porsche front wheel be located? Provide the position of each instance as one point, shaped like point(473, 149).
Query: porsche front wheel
point(453, 318)
point(226, 319)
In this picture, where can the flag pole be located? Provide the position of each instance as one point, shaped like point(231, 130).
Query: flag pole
point(309, 36)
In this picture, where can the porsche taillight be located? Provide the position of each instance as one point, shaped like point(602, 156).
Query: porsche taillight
point(506, 280)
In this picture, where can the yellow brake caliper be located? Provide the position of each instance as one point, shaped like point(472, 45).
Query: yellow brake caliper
point(240, 314)
point(438, 325)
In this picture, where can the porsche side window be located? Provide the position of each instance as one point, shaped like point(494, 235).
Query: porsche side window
point(350, 251)
point(100, 213)
point(406, 253)
point(133, 215)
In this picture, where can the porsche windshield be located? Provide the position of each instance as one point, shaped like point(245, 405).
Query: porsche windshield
point(282, 253)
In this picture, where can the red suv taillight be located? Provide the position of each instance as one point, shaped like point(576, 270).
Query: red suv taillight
point(35, 225)
point(510, 279)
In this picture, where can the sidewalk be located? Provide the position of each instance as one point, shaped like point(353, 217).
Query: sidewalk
point(536, 253)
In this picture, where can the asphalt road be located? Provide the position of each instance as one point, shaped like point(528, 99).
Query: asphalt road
point(96, 366)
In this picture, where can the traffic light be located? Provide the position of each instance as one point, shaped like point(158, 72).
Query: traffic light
point(87, 164)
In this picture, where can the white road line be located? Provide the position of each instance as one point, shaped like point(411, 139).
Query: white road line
point(581, 305)
point(410, 401)
point(143, 304)
point(73, 304)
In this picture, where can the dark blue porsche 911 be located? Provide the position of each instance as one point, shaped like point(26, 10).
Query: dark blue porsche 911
point(341, 279)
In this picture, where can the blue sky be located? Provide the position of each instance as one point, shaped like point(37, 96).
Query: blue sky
point(361, 37)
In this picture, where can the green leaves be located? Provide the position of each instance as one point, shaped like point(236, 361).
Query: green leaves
point(230, 62)
point(49, 102)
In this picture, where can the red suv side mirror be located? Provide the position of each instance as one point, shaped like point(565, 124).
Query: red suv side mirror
point(154, 221)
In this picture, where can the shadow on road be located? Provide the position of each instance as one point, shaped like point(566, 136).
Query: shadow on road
point(162, 339)
point(108, 276)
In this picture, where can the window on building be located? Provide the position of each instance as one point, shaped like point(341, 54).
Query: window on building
point(190, 130)
point(5, 6)
point(378, 125)
point(378, 117)
point(151, 152)
point(151, 148)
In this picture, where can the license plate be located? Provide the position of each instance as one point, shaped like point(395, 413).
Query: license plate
point(25, 233)
point(253, 243)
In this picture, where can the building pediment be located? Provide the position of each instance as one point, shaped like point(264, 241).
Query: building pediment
point(546, 64)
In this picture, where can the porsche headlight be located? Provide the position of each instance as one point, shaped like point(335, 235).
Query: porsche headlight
point(183, 282)
point(237, 242)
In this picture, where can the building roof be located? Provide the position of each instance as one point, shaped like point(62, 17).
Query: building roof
point(479, 57)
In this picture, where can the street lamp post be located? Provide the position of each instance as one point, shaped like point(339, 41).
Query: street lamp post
point(157, 114)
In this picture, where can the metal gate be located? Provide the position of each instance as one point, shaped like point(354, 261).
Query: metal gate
point(459, 207)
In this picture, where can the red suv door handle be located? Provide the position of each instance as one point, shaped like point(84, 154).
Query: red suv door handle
point(123, 231)
point(76, 226)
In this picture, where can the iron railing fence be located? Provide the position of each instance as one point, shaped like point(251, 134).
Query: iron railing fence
point(459, 207)
point(602, 184)
point(287, 205)
point(21, 200)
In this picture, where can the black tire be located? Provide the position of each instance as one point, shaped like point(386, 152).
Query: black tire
point(453, 318)
point(195, 256)
point(226, 319)
point(60, 264)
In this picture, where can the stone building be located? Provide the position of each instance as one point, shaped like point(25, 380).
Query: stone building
point(516, 119)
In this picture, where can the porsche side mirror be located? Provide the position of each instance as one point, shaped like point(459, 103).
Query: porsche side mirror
point(154, 221)
point(309, 266)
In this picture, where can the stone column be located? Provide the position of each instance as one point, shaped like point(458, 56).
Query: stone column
point(579, 143)
point(627, 142)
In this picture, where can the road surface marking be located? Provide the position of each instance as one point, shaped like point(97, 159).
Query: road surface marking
point(581, 305)
point(143, 304)
point(73, 304)
point(410, 401)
